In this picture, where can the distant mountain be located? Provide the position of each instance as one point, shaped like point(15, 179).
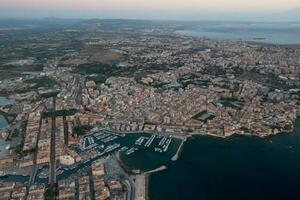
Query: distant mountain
point(48, 22)
point(292, 15)
point(112, 20)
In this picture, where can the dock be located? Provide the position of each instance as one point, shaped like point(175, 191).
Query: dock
point(175, 157)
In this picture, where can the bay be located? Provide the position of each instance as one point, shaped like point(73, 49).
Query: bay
point(272, 33)
point(236, 168)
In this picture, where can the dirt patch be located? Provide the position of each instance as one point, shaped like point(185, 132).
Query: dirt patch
point(106, 56)
point(75, 61)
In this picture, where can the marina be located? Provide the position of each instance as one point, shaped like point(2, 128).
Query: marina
point(159, 146)
point(149, 142)
point(102, 144)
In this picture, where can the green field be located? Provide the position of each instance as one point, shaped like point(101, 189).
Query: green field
point(42, 82)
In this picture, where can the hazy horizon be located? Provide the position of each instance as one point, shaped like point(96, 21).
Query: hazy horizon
point(245, 10)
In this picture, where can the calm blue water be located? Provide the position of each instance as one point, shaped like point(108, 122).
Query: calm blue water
point(146, 159)
point(4, 101)
point(3, 122)
point(274, 33)
point(237, 168)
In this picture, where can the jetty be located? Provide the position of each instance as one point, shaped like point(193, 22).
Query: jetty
point(175, 157)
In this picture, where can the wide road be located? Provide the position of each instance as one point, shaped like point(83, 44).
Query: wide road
point(52, 175)
point(130, 191)
point(34, 167)
point(78, 90)
point(140, 187)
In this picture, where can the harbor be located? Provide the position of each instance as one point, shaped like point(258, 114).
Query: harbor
point(102, 144)
point(158, 148)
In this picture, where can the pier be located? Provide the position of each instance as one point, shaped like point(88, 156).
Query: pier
point(175, 157)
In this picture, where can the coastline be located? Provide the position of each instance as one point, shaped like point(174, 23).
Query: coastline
point(185, 136)
point(261, 40)
point(144, 177)
point(241, 134)
point(147, 174)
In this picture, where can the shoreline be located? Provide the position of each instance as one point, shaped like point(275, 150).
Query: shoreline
point(240, 134)
point(185, 135)
point(252, 40)
point(147, 174)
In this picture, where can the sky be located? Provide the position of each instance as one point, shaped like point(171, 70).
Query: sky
point(147, 9)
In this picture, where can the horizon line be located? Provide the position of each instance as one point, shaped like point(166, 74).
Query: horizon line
point(147, 19)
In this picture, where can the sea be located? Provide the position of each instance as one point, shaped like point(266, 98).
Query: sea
point(239, 167)
point(210, 168)
point(262, 32)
